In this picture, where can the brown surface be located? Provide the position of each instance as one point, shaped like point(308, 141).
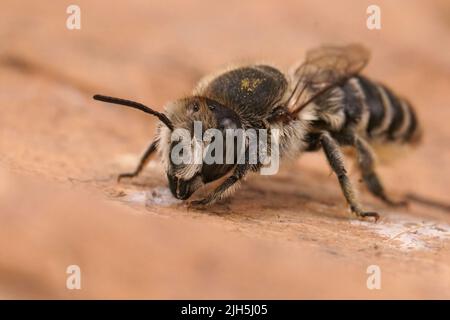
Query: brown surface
point(286, 236)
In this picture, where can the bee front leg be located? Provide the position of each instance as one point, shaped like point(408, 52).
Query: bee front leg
point(366, 162)
point(225, 189)
point(142, 162)
point(335, 159)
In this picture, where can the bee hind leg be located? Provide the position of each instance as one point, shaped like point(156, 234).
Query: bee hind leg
point(335, 159)
point(366, 162)
point(142, 162)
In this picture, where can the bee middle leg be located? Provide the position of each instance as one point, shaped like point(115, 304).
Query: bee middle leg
point(335, 159)
point(366, 162)
point(142, 162)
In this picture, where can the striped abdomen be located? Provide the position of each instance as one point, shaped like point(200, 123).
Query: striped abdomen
point(383, 114)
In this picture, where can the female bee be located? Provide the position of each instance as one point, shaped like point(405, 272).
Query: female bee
point(322, 104)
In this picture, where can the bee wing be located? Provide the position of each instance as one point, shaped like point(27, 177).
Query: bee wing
point(325, 68)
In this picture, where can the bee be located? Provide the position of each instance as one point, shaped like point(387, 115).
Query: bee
point(324, 103)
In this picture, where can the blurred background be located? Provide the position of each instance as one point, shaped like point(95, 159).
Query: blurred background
point(287, 236)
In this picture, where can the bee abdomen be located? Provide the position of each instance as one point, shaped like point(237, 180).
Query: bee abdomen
point(389, 117)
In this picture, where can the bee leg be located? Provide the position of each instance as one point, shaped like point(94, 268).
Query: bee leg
point(142, 162)
point(335, 159)
point(225, 189)
point(366, 162)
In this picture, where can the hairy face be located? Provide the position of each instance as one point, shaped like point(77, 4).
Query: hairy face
point(192, 156)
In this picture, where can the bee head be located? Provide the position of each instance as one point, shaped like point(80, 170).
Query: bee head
point(185, 149)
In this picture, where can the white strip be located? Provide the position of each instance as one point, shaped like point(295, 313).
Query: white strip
point(405, 122)
point(387, 119)
point(362, 125)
